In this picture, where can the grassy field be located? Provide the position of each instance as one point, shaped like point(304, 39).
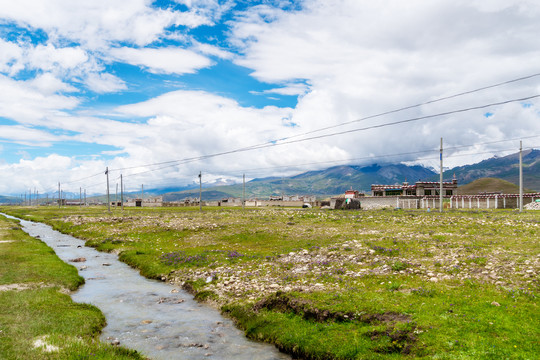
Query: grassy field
point(341, 284)
point(38, 319)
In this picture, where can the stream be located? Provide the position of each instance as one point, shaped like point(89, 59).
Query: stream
point(159, 320)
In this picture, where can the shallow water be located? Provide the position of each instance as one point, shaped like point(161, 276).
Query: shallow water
point(159, 320)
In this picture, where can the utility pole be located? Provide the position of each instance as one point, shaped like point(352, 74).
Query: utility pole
point(122, 192)
point(200, 190)
point(521, 176)
point(142, 195)
point(441, 183)
point(108, 201)
point(80, 197)
point(244, 192)
point(59, 195)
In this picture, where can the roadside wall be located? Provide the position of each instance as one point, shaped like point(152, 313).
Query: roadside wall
point(453, 202)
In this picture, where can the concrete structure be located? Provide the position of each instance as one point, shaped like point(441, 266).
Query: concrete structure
point(491, 201)
point(420, 188)
point(352, 194)
point(148, 202)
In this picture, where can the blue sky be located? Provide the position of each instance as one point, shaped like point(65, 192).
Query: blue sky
point(128, 84)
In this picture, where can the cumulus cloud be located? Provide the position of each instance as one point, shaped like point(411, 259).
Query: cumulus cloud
point(171, 60)
point(104, 83)
point(31, 101)
point(344, 59)
point(27, 136)
point(95, 24)
point(362, 58)
point(10, 55)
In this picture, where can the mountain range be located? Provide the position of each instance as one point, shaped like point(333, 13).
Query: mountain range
point(335, 180)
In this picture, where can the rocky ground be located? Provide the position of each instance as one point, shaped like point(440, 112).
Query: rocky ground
point(426, 248)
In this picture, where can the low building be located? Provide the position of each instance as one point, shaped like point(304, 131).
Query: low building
point(148, 202)
point(420, 188)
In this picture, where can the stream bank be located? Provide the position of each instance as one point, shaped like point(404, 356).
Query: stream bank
point(159, 320)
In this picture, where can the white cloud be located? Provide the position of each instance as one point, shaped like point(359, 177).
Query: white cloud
point(30, 102)
point(212, 9)
point(48, 84)
point(104, 83)
point(48, 57)
point(362, 58)
point(212, 50)
point(292, 89)
point(10, 55)
point(171, 60)
point(97, 23)
point(357, 58)
point(27, 136)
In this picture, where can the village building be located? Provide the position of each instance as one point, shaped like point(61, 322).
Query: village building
point(420, 188)
point(353, 194)
point(147, 202)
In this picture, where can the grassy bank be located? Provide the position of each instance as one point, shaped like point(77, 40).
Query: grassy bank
point(38, 320)
point(342, 285)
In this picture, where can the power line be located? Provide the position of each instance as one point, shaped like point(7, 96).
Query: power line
point(368, 157)
point(273, 142)
point(276, 143)
point(416, 105)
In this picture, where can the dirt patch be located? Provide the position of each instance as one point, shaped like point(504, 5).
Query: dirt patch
point(41, 343)
point(284, 303)
point(30, 286)
point(17, 287)
point(392, 340)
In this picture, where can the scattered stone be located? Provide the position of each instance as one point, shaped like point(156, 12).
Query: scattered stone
point(43, 345)
point(170, 301)
point(106, 264)
point(80, 259)
point(146, 322)
point(494, 303)
point(197, 345)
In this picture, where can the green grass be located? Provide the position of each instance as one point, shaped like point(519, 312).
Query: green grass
point(35, 308)
point(353, 285)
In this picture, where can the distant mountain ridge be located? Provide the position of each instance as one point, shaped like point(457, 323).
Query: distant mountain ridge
point(505, 168)
point(337, 179)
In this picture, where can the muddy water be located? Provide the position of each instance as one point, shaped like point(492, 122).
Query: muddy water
point(157, 319)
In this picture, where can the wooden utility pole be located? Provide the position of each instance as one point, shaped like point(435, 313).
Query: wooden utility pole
point(142, 195)
point(200, 190)
point(244, 192)
point(108, 201)
point(59, 195)
point(441, 182)
point(122, 191)
point(520, 176)
point(80, 197)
